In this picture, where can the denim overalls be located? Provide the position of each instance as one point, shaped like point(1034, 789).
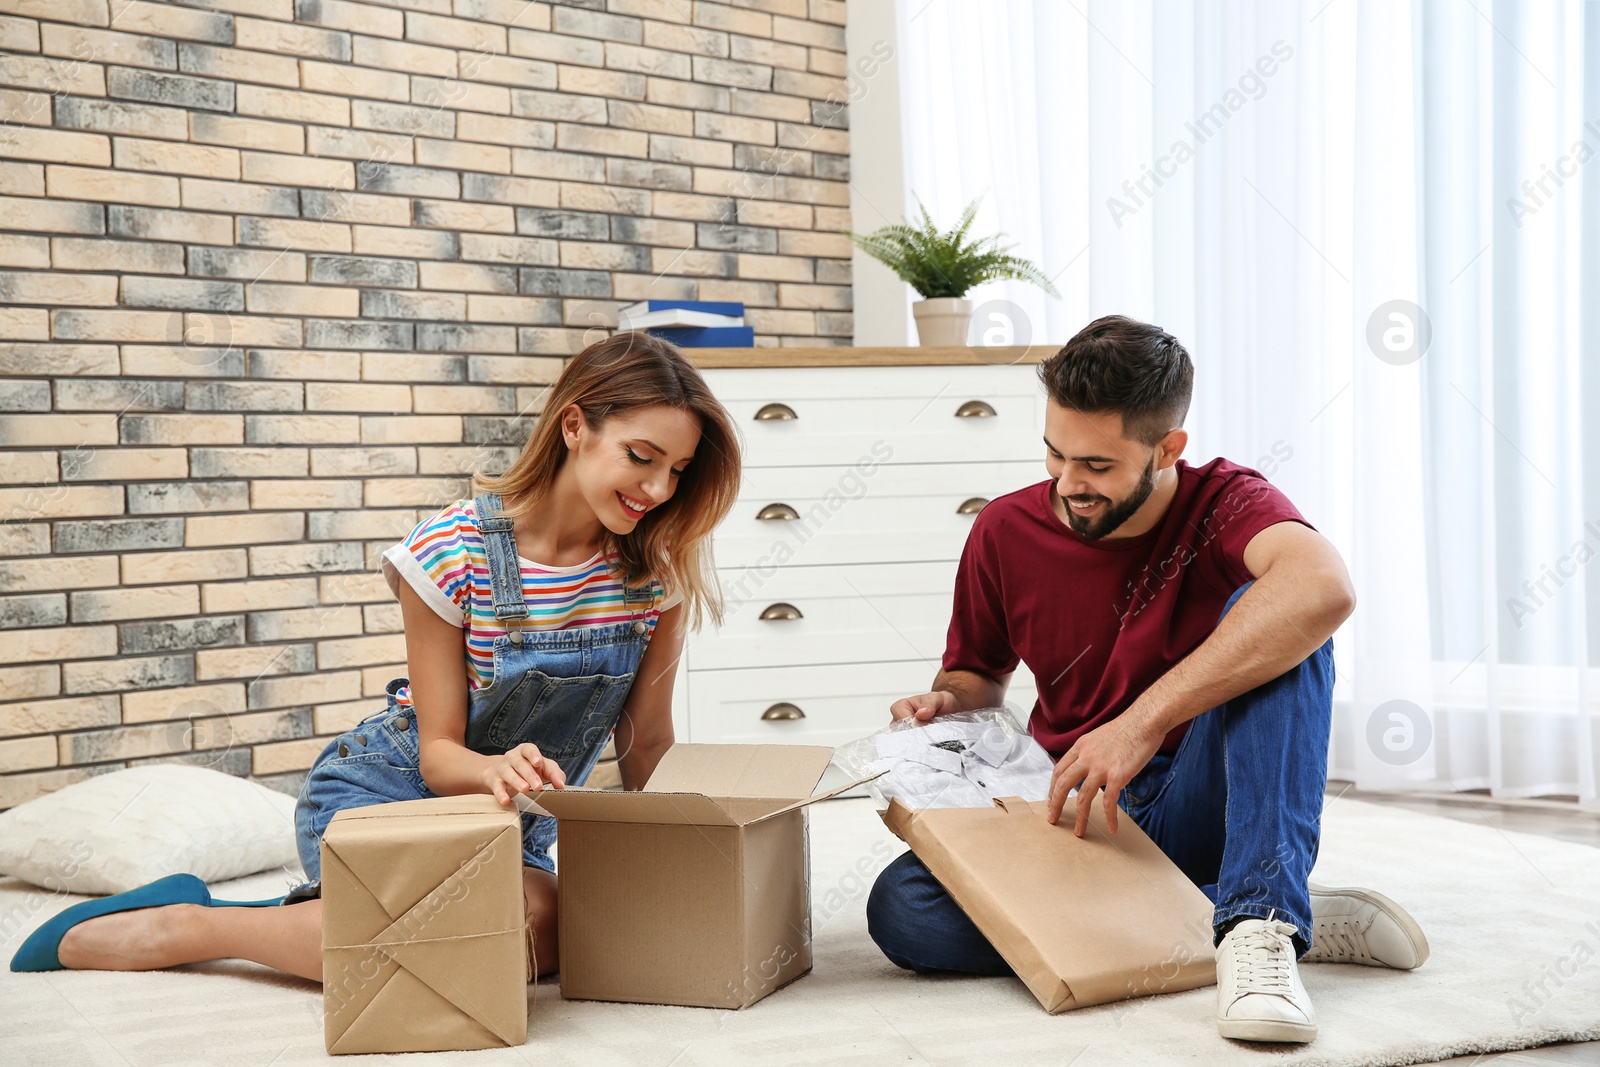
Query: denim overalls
point(563, 690)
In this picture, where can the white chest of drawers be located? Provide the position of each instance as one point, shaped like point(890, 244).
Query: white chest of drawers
point(839, 559)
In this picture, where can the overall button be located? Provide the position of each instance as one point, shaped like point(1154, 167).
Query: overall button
point(403, 722)
point(640, 627)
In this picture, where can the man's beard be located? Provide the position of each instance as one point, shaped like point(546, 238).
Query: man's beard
point(1114, 515)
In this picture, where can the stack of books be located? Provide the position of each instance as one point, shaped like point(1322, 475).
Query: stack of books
point(690, 323)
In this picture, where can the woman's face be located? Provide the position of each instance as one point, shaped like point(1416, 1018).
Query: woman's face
point(631, 463)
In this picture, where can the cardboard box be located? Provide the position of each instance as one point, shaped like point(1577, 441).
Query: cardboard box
point(424, 927)
point(695, 889)
point(1081, 920)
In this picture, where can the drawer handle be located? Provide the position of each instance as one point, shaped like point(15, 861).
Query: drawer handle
point(781, 611)
point(979, 409)
point(782, 712)
point(972, 505)
point(777, 511)
point(776, 412)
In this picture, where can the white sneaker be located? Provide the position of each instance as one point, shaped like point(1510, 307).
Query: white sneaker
point(1259, 995)
point(1360, 926)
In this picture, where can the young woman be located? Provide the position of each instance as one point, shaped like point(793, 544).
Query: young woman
point(541, 615)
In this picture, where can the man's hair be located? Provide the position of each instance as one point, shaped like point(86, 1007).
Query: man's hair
point(1118, 364)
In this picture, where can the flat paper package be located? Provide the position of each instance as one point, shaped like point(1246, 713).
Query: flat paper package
point(1081, 920)
point(693, 890)
point(425, 927)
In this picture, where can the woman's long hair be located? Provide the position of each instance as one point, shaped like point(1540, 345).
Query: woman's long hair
point(626, 371)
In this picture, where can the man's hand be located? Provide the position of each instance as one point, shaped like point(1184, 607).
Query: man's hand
point(1104, 758)
point(923, 708)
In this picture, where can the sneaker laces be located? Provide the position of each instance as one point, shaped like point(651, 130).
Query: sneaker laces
point(1262, 959)
point(1340, 939)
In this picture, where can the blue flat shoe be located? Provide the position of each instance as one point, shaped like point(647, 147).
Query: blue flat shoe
point(38, 952)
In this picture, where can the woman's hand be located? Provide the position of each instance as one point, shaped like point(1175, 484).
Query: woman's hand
point(523, 769)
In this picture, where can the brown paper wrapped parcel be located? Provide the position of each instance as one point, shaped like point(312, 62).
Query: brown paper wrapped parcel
point(425, 934)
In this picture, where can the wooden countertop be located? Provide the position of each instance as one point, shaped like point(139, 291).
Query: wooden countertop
point(845, 356)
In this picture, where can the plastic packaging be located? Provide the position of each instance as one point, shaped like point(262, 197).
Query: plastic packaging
point(961, 760)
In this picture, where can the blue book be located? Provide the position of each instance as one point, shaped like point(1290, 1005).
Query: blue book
point(707, 336)
point(710, 307)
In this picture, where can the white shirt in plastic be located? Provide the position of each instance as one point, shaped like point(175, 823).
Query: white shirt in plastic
point(960, 765)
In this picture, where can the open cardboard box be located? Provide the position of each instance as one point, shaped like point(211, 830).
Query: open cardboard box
point(694, 890)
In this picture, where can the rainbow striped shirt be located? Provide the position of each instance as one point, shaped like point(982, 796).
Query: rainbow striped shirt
point(444, 560)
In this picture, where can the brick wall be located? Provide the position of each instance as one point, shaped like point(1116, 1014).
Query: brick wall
point(277, 275)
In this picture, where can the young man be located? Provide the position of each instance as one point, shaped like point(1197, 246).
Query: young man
point(1178, 622)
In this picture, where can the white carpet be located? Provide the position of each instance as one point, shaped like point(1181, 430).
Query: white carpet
point(1514, 965)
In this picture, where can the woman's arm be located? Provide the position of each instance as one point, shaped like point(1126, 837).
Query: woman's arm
point(644, 730)
point(436, 663)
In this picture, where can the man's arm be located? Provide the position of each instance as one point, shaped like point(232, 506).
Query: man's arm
point(1301, 594)
point(956, 690)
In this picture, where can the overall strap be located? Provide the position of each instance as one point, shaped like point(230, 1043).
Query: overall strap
point(636, 598)
point(505, 573)
point(636, 601)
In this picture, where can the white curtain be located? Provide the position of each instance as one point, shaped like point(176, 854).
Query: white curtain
point(1374, 224)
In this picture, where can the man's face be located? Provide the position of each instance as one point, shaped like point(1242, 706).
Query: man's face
point(1094, 465)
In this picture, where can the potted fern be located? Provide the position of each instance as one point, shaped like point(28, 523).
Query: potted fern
point(942, 267)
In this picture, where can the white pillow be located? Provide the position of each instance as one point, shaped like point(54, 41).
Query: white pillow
point(118, 831)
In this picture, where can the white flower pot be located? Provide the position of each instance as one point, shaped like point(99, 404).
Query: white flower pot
point(942, 321)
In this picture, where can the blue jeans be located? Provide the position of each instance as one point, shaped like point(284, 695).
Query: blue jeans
point(1238, 807)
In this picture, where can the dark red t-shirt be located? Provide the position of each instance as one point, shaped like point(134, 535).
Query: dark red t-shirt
point(1098, 621)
